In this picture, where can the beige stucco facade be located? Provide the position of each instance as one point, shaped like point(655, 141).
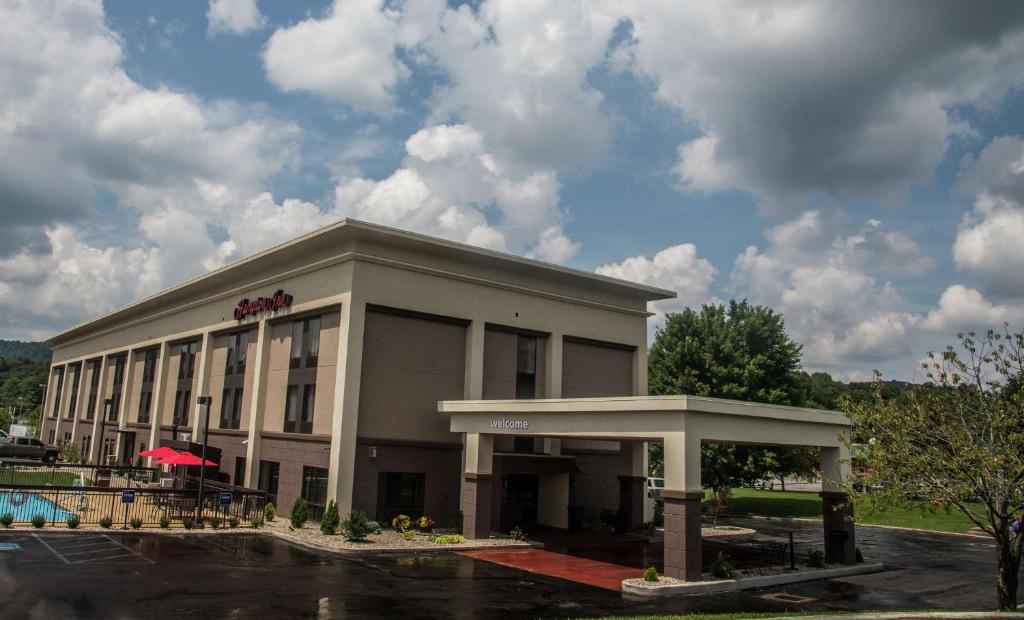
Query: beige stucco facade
point(404, 321)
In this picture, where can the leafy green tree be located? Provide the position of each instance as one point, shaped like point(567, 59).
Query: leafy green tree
point(739, 351)
point(956, 443)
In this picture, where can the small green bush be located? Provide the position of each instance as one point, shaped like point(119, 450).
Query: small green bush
point(373, 527)
point(722, 567)
point(651, 574)
point(73, 521)
point(6, 519)
point(256, 522)
point(815, 558)
point(329, 522)
point(408, 535)
point(165, 522)
point(187, 522)
point(233, 522)
point(425, 523)
point(38, 521)
point(356, 526)
point(214, 522)
point(136, 523)
point(300, 513)
point(518, 534)
point(401, 523)
point(106, 522)
point(448, 539)
point(269, 512)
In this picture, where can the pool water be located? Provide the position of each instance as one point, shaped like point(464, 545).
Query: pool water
point(24, 505)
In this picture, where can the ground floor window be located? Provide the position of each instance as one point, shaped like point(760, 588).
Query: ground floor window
point(269, 474)
point(108, 449)
point(314, 490)
point(399, 493)
point(239, 478)
point(67, 437)
point(53, 435)
point(86, 444)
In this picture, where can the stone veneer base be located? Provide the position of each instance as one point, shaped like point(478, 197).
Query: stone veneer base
point(632, 586)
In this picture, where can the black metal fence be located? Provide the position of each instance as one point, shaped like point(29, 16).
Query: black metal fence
point(67, 474)
point(91, 505)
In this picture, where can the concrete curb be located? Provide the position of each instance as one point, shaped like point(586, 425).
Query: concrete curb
point(630, 586)
point(884, 527)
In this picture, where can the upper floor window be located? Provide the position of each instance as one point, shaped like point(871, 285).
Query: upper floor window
point(182, 401)
point(305, 343)
point(94, 389)
point(76, 372)
point(187, 362)
point(298, 414)
point(118, 372)
point(231, 408)
point(149, 366)
point(57, 392)
point(526, 366)
point(145, 402)
point(237, 345)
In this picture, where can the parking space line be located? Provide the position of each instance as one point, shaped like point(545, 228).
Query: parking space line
point(106, 557)
point(45, 544)
point(66, 548)
point(129, 550)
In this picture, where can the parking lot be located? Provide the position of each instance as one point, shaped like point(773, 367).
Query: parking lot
point(130, 575)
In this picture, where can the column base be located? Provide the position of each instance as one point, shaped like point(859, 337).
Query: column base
point(837, 516)
point(682, 534)
point(476, 506)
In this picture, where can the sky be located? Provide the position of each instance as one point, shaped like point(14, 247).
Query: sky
point(858, 167)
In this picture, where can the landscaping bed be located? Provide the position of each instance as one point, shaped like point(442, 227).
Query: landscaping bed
point(387, 540)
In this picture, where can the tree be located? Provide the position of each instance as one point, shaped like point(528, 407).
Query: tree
point(737, 351)
point(956, 443)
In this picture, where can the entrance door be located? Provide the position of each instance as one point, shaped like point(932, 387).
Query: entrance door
point(128, 458)
point(399, 494)
point(520, 506)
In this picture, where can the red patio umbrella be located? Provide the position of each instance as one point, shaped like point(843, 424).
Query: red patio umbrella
point(160, 453)
point(185, 458)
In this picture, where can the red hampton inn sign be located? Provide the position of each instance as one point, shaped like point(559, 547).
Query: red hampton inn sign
point(247, 307)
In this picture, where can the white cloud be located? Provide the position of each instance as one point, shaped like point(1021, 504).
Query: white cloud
point(961, 307)
point(349, 55)
point(676, 268)
point(233, 16)
point(813, 99)
point(821, 274)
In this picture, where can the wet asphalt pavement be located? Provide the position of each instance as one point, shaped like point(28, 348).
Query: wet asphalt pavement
point(53, 575)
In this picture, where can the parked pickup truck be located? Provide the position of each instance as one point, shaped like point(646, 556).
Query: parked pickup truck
point(28, 448)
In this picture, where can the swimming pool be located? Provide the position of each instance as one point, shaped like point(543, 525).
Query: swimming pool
point(24, 505)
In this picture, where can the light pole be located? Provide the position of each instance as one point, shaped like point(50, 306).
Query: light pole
point(203, 400)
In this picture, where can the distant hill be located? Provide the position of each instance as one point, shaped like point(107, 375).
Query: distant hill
point(39, 351)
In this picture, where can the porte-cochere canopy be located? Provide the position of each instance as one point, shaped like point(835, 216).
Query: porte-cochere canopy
point(682, 423)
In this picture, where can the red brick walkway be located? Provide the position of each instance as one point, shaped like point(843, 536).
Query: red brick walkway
point(573, 568)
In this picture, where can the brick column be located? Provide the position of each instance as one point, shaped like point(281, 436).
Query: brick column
point(476, 505)
point(837, 515)
point(682, 534)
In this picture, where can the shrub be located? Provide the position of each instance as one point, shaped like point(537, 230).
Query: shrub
point(38, 521)
point(373, 527)
point(269, 512)
point(187, 522)
point(136, 523)
point(6, 519)
point(425, 523)
point(106, 522)
point(300, 513)
point(401, 523)
point(256, 522)
point(233, 522)
point(448, 539)
point(69, 453)
point(356, 526)
point(518, 534)
point(329, 522)
point(722, 567)
point(408, 535)
point(215, 522)
point(165, 522)
point(73, 521)
point(815, 558)
point(651, 574)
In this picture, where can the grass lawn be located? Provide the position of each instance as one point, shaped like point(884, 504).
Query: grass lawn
point(801, 504)
point(46, 476)
point(732, 616)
